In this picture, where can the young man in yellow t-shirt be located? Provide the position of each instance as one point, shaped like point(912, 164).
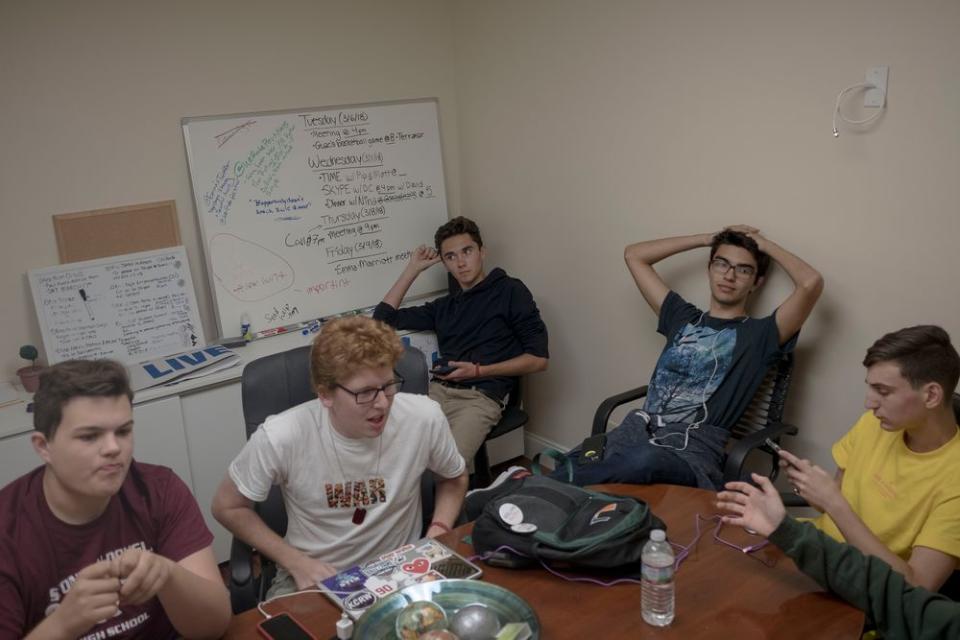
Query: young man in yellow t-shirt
point(896, 492)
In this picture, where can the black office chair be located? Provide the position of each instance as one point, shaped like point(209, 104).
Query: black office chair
point(513, 417)
point(271, 385)
point(761, 420)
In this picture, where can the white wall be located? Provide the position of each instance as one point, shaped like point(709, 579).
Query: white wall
point(93, 93)
point(570, 128)
point(588, 125)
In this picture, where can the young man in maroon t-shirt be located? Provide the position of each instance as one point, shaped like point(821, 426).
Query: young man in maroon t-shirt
point(93, 544)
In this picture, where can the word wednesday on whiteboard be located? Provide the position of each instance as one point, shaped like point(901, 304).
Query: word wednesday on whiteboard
point(309, 213)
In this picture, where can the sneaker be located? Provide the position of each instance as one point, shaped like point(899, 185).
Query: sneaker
point(476, 498)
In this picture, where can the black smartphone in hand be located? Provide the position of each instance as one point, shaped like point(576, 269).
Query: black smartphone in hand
point(442, 369)
point(776, 449)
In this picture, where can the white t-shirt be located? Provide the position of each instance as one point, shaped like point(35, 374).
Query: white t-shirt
point(295, 451)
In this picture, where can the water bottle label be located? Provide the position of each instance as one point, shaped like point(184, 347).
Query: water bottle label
point(657, 575)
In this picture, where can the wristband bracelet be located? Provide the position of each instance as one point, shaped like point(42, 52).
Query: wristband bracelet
point(437, 523)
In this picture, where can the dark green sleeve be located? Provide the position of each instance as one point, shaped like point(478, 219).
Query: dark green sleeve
point(896, 608)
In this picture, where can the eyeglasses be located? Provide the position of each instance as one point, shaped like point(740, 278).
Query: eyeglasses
point(366, 396)
point(721, 267)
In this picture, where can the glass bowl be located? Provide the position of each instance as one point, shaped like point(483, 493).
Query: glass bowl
point(379, 622)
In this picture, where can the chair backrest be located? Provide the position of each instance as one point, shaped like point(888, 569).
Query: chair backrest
point(515, 397)
point(412, 367)
point(272, 384)
point(766, 407)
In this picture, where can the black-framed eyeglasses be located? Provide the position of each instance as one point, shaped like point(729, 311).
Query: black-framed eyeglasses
point(721, 267)
point(366, 396)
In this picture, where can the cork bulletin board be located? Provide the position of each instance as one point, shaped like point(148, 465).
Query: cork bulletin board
point(102, 233)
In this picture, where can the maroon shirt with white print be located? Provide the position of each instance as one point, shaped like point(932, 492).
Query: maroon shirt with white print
point(41, 555)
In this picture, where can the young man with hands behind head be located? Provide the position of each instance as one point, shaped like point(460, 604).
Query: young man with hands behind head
point(712, 363)
point(896, 493)
point(92, 543)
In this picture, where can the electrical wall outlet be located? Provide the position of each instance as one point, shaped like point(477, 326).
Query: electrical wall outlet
point(877, 76)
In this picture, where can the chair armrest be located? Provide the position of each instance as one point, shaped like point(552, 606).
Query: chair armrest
point(733, 468)
point(606, 407)
point(243, 587)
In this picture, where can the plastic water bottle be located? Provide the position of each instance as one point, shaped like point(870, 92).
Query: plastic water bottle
point(657, 597)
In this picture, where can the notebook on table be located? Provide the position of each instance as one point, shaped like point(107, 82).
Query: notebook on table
point(358, 588)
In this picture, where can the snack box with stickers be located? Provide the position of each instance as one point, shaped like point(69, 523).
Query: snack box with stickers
point(357, 589)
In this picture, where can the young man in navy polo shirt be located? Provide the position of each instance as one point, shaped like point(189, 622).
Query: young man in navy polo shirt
point(488, 328)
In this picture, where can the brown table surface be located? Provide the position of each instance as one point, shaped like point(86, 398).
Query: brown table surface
point(721, 592)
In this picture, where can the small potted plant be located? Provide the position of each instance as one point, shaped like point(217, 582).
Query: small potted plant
point(29, 376)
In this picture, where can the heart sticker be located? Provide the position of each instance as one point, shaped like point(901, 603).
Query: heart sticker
point(420, 565)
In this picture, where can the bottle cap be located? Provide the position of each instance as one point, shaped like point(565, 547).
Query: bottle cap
point(658, 535)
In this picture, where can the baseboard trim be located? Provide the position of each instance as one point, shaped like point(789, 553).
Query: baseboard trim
point(534, 444)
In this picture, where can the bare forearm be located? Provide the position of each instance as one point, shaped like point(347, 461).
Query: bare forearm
point(52, 629)
point(197, 607)
point(518, 366)
point(449, 499)
point(399, 289)
point(652, 251)
point(247, 525)
point(641, 256)
point(802, 274)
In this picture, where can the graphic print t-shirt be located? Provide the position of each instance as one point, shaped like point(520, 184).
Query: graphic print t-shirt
point(40, 555)
point(325, 477)
point(710, 360)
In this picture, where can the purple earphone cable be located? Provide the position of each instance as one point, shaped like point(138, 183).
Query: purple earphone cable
point(682, 553)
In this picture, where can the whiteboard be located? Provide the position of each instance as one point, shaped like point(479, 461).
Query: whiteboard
point(129, 308)
point(308, 213)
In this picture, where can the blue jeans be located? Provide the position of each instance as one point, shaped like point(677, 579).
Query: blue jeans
point(629, 457)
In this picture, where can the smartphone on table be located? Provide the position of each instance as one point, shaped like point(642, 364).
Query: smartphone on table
point(283, 626)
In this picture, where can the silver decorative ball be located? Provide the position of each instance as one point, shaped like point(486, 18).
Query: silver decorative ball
point(475, 622)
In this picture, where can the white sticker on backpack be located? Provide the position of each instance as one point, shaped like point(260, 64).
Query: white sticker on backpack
point(510, 513)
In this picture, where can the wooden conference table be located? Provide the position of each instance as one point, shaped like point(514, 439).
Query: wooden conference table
point(721, 592)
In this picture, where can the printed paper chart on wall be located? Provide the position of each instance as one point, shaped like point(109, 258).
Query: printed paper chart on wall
point(129, 308)
point(311, 212)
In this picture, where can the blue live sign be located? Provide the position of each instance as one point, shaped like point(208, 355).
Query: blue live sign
point(184, 361)
point(181, 366)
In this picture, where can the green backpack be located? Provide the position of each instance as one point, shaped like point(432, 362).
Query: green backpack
point(524, 521)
